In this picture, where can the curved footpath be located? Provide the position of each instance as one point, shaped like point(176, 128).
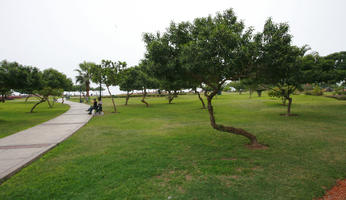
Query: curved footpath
point(20, 149)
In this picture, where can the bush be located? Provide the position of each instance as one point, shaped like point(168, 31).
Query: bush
point(340, 91)
point(316, 91)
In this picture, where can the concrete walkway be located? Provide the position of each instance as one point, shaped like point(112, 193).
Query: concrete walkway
point(20, 149)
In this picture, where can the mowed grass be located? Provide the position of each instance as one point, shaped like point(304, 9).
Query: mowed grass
point(171, 152)
point(15, 115)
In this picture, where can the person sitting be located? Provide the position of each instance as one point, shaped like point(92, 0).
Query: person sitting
point(93, 107)
point(99, 106)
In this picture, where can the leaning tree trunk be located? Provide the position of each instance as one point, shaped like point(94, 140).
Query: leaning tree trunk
point(200, 98)
point(228, 129)
point(27, 98)
point(170, 97)
point(49, 104)
point(144, 95)
point(127, 97)
point(41, 101)
point(114, 107)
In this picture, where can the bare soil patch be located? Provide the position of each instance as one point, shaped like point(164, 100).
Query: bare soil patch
point(338, 192)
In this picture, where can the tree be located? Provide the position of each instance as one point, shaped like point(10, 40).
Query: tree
point(128, 81)
point(281, 62)
point(53, 84)
point(163, 57)
point(5, 86)
point(108, 73)
point(339, 59)
point(219, 51)
point(145, 81)
point(84, 75)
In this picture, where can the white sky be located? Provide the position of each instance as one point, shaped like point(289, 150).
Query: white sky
point(63, 33)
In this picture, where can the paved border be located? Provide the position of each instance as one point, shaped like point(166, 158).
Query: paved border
point(20, 149)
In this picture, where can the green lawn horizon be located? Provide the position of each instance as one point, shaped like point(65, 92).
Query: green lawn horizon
point(171, 152)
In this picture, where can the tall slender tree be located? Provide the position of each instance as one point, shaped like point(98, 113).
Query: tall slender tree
point(84, 75)
point(108, 74)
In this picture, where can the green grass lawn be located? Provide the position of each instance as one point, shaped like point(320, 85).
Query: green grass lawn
point(171, 152)
point(15, 115)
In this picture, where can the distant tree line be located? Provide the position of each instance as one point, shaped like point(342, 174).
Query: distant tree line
point(33, 82)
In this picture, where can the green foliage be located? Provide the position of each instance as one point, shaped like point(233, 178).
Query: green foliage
point(84, 74)
point(163, 56)
point(129, 79)
point(219, 49)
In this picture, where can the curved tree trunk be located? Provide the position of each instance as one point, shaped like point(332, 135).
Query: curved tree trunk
point(27, 98)
point(127, 97)
point(144, 95)
point(41, 101)
point(200, 98)
point(49, 104)
point(114, 107)
point(229, 129)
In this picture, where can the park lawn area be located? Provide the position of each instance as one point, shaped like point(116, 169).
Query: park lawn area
point(171, 152)
point(15, 115)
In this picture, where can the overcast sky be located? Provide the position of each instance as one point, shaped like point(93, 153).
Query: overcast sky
point(63, 33)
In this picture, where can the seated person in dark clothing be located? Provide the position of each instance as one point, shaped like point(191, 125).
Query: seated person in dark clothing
point(94, 106)
point(99, 106)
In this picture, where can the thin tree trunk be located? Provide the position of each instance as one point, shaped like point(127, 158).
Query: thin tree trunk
point(47, 99)
point(26, 99)
point(200, 98)
point(170, 97)
point(250, 93)
point(127, 97)
point(62, 100)
point(3, 98)
point(229, 129)
point(289, 106)
point(284, 101)
point(41, 101)
point(114, 107)
point(144, 95)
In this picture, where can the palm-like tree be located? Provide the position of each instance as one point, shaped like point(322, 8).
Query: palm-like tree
point(84, 75)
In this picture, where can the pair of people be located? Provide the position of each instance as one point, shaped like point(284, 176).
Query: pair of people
point(96, 106)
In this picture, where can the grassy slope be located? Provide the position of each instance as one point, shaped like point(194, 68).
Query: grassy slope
point(171, 151)
point(15, 115)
